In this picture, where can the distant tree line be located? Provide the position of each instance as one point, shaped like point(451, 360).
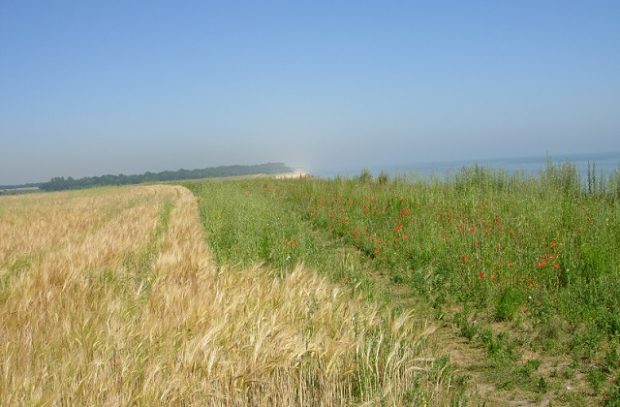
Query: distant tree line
point(62, 183)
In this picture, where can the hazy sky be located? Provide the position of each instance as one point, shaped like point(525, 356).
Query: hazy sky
point(125, 86)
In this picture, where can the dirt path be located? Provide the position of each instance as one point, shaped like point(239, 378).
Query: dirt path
point(470, 359)
point(467, 358)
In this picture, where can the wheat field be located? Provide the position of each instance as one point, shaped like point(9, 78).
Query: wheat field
point(110, 297)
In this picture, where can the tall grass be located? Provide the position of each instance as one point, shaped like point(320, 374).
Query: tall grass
point(536, 256)
point(127, 307)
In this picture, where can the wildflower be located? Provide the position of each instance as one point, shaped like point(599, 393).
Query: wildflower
point(464, 258)
point(541, 264)
point(556, 266)
point(493, 277)
point(553, 243)
point(405, 212)
point(398, 228)
point(377, 240)
point(481, 275)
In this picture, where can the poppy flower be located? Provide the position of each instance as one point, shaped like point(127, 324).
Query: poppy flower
point(481, 275)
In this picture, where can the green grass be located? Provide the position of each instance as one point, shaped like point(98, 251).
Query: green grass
point(245, 226)
point(538, 255)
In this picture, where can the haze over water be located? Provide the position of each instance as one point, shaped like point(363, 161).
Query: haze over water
point(604, 163)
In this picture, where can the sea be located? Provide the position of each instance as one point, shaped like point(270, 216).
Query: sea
point(604, 163)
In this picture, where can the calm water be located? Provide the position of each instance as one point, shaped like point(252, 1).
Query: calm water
point(605, 162)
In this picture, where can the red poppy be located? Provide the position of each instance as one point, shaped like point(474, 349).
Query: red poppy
point(398, 228)
point(464, 258)
point(556, 266)
point(481, 275)
point(405, 212)
point(553, 243)
point(541, 264)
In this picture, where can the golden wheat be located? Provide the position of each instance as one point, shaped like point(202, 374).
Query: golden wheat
point(110, 297)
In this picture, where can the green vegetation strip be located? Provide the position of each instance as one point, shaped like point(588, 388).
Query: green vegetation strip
point(245, 227)
point(141, 264)
point(516, 263)
point(135, 283)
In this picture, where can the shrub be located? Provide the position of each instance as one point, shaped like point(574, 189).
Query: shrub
point(508, 304)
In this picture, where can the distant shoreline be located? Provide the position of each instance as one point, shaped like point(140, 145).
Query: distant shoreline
point(19, 190)
point(283, 175)
point(293, 174)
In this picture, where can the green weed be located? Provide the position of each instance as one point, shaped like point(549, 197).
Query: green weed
point(536, 252)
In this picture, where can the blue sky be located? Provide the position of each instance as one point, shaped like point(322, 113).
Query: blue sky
point(105, 87)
